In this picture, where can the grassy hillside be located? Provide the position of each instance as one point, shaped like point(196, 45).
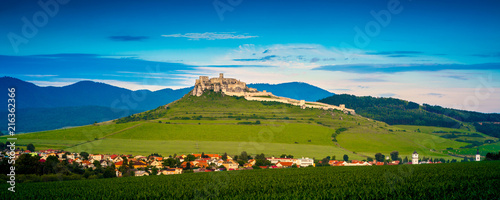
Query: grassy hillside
point(214, 123)
point(397, 111)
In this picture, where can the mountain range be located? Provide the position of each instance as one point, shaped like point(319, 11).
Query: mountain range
point(85, 102)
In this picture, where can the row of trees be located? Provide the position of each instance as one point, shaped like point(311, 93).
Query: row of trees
point(391, 110)
point(27, 164)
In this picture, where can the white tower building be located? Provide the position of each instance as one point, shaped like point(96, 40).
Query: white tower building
point(478, 156)
point(414, 158)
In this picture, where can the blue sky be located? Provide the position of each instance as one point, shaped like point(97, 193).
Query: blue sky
point(436, 52)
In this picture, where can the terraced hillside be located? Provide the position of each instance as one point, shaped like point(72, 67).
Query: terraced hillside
point(214, 123)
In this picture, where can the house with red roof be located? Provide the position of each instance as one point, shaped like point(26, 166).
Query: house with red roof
point(284, 164)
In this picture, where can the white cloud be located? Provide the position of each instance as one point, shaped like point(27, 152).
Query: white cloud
point(210, 36)
point(51, 83)
point(39, 75)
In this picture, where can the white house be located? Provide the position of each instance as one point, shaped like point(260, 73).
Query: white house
point(70, 156)
point(304, 162)
point(157, 164)
point(478, 156)
point(141, 173)
point(414, 158)
point(117, 159)
point(97, 157)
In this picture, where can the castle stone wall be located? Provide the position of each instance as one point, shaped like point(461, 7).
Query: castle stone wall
point(233, 87)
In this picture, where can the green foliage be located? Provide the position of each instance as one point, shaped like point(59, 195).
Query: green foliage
point(471, 180)
point(463, 115)
point(379, 157)
point(190, 157)
point(493, 156)
point(395, 155)
point(391, 110)
point(346, 157)
point(488, 129)
point(30, 147)
point(84, 155)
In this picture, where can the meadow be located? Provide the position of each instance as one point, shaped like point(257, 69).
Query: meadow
point(215, 123)
point(471, 180)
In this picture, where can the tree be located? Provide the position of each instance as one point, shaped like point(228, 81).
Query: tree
point(405, 160)
point(170, 162)
point(346, 157)
point(109, 173)
point(244, 156)
point(394, 155)
point(84, 155)
point(190, 157)
point(283, 156)
point(260, 162)
point(379, 157)
point(493, 156)
point(27, 164)
point(224, 157)
point(31, 147)
point(290, 156)
point(257, 122)
point(260, 156)
point(49, 166)
point(325, 161)
point(333, 158)
point(97, 164)
point(369, 159)
point(154, 171)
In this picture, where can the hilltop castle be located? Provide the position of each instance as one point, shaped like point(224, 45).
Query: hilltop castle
point(233, 87)
point(220, 84)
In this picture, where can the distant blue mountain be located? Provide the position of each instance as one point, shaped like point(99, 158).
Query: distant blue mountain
point(40, 119)
point(294, 90)
point(85, 102)
point(88, 93)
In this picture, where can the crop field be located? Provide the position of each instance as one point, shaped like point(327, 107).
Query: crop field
point(483, 150)
point(472, 180)
point(463, 134)
point(405, 142)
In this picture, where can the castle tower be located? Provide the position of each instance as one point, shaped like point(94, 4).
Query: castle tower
point(478, 156)
point(414, 158)
point(221, 75)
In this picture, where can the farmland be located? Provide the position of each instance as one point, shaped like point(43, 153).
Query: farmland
point(214, 123)
point(473, 180)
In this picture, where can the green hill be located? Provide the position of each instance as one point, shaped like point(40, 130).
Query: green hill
point(215, 123)
point(396, 111)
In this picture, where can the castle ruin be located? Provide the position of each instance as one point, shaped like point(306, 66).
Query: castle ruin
point(220, 84)
point(233, 87)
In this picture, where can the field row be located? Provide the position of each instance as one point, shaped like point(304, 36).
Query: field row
point(475, 180)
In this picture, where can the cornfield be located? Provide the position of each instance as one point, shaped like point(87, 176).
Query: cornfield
point(478, 180)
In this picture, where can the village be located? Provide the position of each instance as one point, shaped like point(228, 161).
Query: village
point(155, 164)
